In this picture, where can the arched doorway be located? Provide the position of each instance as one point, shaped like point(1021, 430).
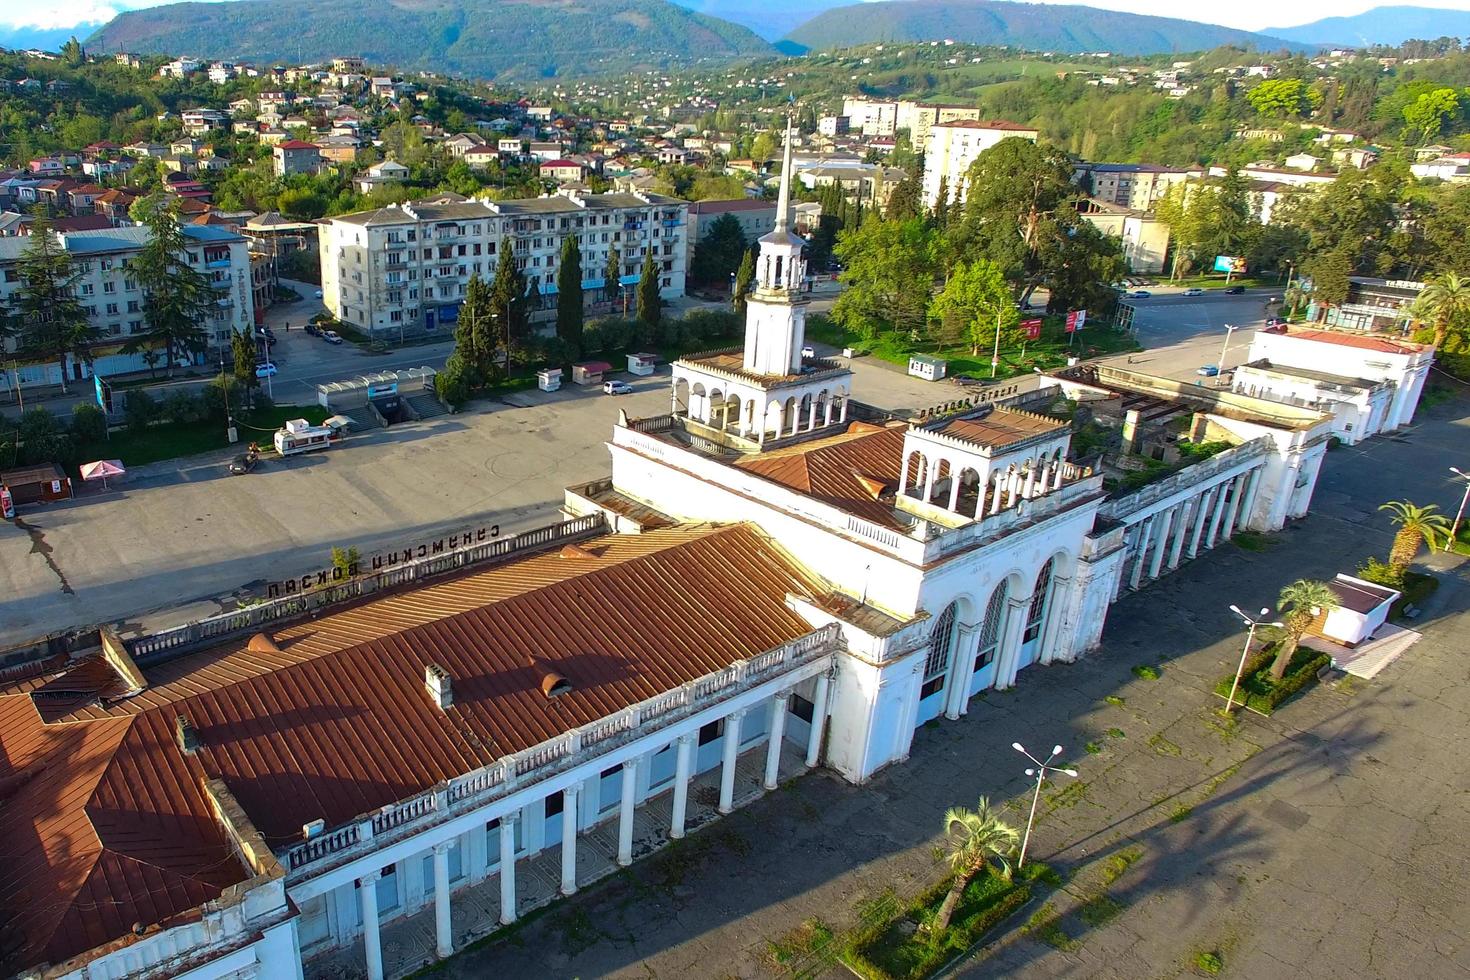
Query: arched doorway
point(936, 665)
point(1036, 613)
point(992, 628)
point(681, 405)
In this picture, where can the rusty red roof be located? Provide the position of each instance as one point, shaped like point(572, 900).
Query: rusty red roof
point(841, 470)
point(1382, 345)
point(103, 819)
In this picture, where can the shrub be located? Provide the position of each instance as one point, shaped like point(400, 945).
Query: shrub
point(1380, 573)
point(42, 438)
point(452, 388)
point(88, 423)
point(181, 408)
point(222, 397)
point(1210, 963)
point(140, 410)
point(1146, 672)
point(1257, 689)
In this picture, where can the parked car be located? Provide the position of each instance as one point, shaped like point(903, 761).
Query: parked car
point(312, 330)
point(1234, 290)
point(616, 388)
point(966, 379)
point(808, 351)
point(244, 463)
point(1140, 294)
point(1193, 291)
point(318, 294)
point(331, 336)
point(1208, 371)
point(266, 370)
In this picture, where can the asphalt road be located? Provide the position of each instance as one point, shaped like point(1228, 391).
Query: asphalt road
point(1183, 333)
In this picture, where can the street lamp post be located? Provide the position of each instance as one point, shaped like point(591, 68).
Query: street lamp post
point(1229, 329)
point(1040, 772)
point(1245, 652)
point(1459, 514)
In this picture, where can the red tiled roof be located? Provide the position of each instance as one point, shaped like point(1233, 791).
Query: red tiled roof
point(840, 470)
point(297, 145)
point(986, 124)
point(1000, 428)
point(103, 821)
point(1382, 345)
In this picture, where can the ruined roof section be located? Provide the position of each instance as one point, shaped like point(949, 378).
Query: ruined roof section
point(841, 469)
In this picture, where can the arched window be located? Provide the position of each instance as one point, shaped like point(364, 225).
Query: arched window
point(941, 646)
point(1036, 615)
point(990, 630)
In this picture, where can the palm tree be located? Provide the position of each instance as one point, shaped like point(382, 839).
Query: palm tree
point(1444, 302)
point(1417, 525)
point(1294, 300)
point(1300, 603)
point(973, 835)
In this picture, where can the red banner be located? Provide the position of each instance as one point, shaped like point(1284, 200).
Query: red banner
point(1032, 328)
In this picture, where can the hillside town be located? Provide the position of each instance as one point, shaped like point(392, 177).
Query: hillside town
point(622, 523)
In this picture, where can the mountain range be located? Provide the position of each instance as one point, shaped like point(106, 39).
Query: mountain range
point(1381, 25)
point(512, 40)
point(1039, 27)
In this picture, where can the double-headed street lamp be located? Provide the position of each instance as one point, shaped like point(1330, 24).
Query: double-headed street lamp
point(1249, 638)
point(1042, 770)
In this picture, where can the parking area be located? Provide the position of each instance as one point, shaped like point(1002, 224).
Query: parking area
point(185, 539)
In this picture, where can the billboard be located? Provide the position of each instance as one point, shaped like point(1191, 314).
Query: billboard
point(1075, 320)
point(1230, 263)
point(1032, 328)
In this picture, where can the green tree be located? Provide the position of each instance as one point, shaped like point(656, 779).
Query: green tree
point(1416, 527)
point(42, 438)
point(52, 323)
point(972, 837)
point(475, 339)
point(889, 272)
point(1283, 98)
point(1425, 118)
point(1330, 280)
point(177, 297)
point(1300, 603)
point(612, 274)
point(744, 279)
point(977, 300)
point(346, 562)
point(718, 252)
point(650, 307)
point(508, 302)
point(569, 308)
point(905, 201)
point(242, 347)
point(88, 424)
point(1444, 303)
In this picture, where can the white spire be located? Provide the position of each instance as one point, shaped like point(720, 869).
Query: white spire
point(783, 201)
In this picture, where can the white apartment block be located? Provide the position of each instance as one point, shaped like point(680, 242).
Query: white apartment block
point(405, 267)
point(870, 117)
point(953, 146)
point(1138, 186)
point(114, 302)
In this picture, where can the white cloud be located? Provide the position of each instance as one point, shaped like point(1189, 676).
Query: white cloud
point(56, 14)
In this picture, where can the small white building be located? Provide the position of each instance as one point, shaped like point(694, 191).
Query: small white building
point(1362, 608)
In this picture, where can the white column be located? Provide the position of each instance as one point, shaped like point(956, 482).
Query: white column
point(778, 733)
point(625, 813)
point(819, 721)
point(954, 490)
point(1233, 515)
point(1161, 542)
point(1009, 653)
point(1201, 513)
point(367, 894)
point(1056, 477)
point(727, 767)
point(443, 931)
point(996, 495)
point(903, 474)
point(1029, 486)
point(811, 415)
point(1181, 532)
point(508, 868)
point(569, 840)
point(842, 417)
point(827, 411)
point(957, 693)
point(910, 710)
point(931, 467)
point(684, 750)
point(1251, 486)
point(1145, 528)
point(1218, 515)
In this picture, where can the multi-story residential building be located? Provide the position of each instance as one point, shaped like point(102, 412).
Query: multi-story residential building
point(871, 117)
point(920, 118)
point(953, 146)
point(113, 300)
point(197, 122)
point(833, 125)
point(296, 157)
point(1145, 239)
point(1137, 186)
point(756, 217)
point(404, 268)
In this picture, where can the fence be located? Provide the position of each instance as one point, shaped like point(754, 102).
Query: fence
point(157, 647)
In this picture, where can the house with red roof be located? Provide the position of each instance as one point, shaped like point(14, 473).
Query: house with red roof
point(296, 157)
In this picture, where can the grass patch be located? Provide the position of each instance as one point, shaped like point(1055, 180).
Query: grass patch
point(1093, 748)
point(165, 440)
point(1260, 691)
point(1068, 796)
point(798, 950)
point(1100, 910)
point(1181, 813)
point(1117, 864)
point(1114, 700)
point(1163, 746)
point(1045, 926)
point(1251, 541)
point(1117, 733)
point(1146, 672)
point(894, 943)
point(1210, 963)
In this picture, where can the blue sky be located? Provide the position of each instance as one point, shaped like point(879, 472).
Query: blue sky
point(1248, 14)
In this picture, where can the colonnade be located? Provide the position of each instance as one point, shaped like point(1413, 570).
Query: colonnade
point(1160, 542)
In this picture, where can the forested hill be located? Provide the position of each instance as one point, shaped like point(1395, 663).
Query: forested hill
point(1037, 27)
point(497, 39)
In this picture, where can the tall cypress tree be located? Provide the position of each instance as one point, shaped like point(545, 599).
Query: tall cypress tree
point(612, 274)
point(508, 301)
point(743, 280)
point(569, 295)
point(649, 308)
point(52, 321)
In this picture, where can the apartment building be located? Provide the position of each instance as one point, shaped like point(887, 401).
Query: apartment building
point(113, 300)
point(1137, 186)
point(953, 146)
point(870, 117)
point(404, 268)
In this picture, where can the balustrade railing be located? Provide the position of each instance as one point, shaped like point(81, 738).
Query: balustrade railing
point(552, 755)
